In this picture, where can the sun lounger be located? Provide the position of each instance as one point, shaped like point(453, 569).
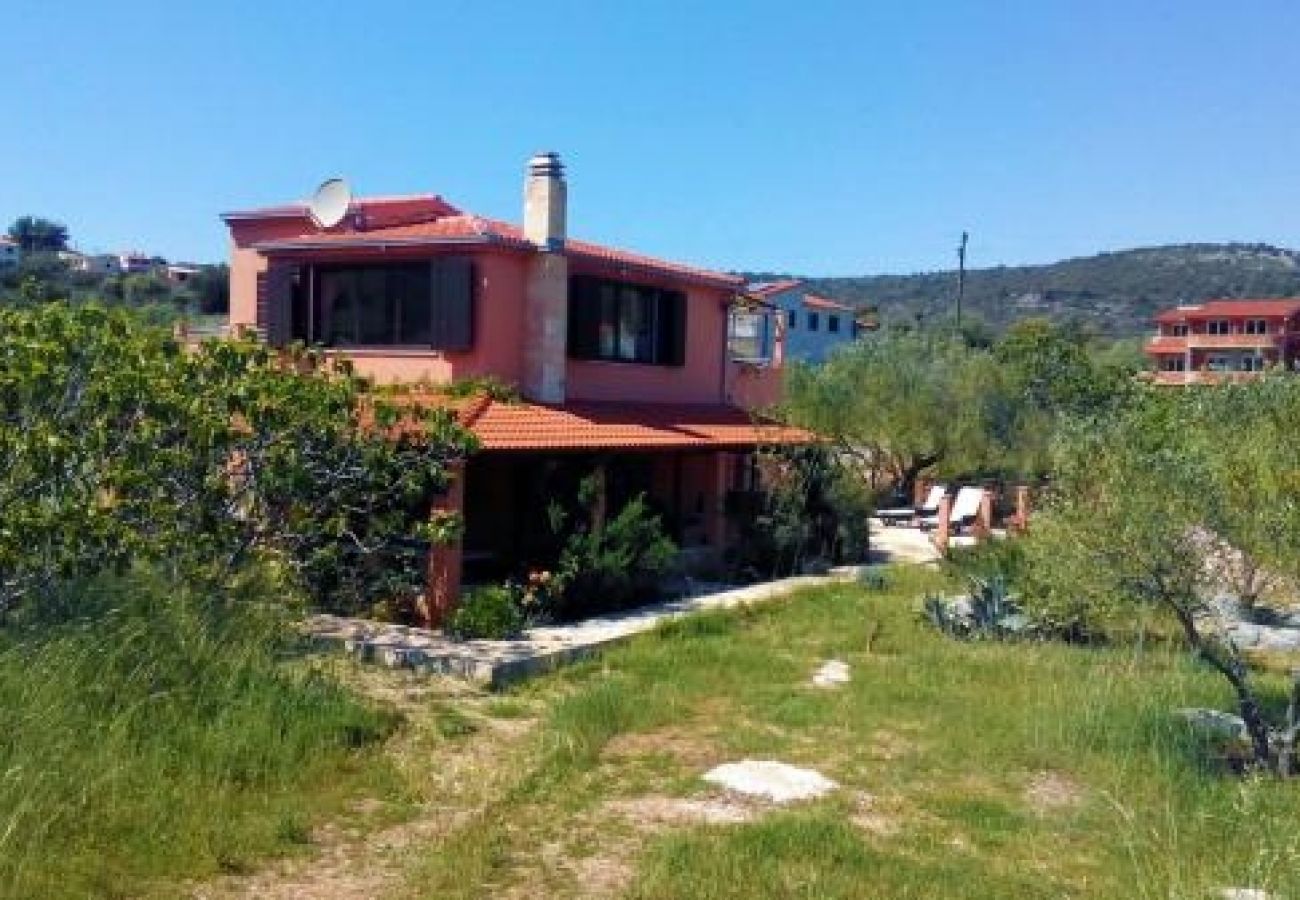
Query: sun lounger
point(903, 514)
point(965, 509)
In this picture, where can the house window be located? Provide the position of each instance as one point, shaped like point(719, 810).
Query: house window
point(747, 331)
point(833, 323)
point(1253, 363)
point(623, 322)
point(1218, 326)
point(1176, 330)
point(792, 319)
point(421, 304)
point(812, 321)
point(1173, 364)
point(1256, 326)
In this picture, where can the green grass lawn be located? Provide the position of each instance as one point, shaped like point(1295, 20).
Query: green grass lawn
point(156, 753)
point(977, 770)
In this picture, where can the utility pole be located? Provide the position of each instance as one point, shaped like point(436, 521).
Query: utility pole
point(961, 275)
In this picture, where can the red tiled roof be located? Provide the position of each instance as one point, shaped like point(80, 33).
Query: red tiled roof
point(419, 221)
point(825, 303)
point(375, 211)
point(770, 288)
point(1231, 308)
point(623, 426)
point(611, 426)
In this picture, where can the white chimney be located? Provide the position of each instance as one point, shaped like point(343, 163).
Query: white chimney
point(545, 202)
point(546, 314)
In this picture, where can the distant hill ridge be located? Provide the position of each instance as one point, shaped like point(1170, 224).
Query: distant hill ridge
point(1117, 292)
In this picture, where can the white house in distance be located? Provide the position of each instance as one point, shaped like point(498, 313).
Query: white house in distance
point(91, 263)
point(133, 262)
point(11, 254)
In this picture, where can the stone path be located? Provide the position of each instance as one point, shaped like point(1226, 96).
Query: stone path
point(541, 649)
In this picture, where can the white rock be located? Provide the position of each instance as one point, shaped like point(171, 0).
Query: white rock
point(1244, 894)
point(831, 674)
point(1214, 721)
point(777, 781)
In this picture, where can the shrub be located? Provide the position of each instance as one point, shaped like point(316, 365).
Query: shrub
point(613, 566)
point(487, 613)
point(118, 447)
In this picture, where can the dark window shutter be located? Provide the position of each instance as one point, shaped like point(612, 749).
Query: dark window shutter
point(263, 312)
point(452, 284)
point(275, 303)
point(672, 328)
point(584, 318)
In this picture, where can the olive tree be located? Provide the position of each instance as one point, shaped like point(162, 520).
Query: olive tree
point(1145, 500)
point(903, 403)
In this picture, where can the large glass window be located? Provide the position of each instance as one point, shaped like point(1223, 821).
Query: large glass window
point(624, 322)
point(1256, 326)
point(747, 333)
point(419, 304)
point(1218, 326)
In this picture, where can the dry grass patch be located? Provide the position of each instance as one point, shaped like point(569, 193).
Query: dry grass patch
point(1049, 792)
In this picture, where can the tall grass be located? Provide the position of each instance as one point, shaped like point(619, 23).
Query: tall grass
point(157, 735)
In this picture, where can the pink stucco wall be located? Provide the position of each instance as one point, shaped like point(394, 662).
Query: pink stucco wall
point(700, 380)
point(500, 330)
point(498, 311)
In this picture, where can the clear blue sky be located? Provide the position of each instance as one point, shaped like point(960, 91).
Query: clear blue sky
point(810, 137)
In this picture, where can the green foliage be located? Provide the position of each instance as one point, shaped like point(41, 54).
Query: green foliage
point(612, 565)
point(905, 402)
point(159, 735)
point(487, 386)
point(1166, 501)
point(987, 612)
point(34, 234)
point(812, 507)
point(490, 612)
point(42, 276)
point(117, 447)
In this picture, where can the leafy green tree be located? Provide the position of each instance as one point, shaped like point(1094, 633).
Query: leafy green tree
point(904, 403)
point(117, 447)
point(35, 234)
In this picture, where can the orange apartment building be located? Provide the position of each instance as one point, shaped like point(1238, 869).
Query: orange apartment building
point(1224, 339)
point(622, 360)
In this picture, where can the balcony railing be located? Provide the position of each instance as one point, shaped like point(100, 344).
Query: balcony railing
point(1233, 341)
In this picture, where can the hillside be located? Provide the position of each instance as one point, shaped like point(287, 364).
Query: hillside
point(1117, 292)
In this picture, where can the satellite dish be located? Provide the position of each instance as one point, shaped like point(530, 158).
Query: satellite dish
point(330, 203)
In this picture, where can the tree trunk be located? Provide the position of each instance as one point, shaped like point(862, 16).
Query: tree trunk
point(912, 470)
point(1232, 669)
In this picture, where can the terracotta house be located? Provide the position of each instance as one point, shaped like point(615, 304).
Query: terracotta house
point(621, 359)
point(1224, 339)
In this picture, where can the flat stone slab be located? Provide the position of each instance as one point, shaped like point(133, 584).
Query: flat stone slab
point(775, 781)
point(832, 674)
point(540, 649)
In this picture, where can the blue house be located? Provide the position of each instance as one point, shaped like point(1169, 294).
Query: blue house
point(814, 326)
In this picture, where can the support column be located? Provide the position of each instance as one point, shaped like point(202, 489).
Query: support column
point(600, 501)
point(983, 526)
point(715, 512)
point(443, 586)
point(1021, 520)
point(943, 530)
